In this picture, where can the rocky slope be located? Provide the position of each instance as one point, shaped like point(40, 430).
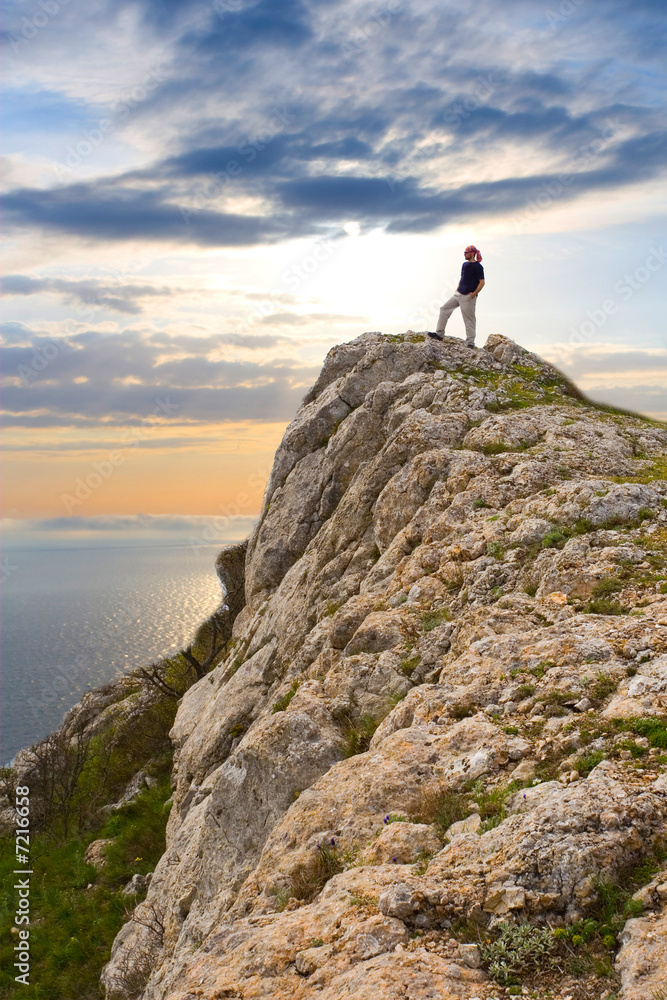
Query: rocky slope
point(443, 706)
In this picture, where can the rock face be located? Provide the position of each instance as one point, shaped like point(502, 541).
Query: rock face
point(453, 590)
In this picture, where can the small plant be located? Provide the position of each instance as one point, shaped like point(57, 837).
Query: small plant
point(524, 691)
point(511, 730)
point(358, 733)
point(444, 808)
point(554, 539)
point(495, 549)
point(531, 589)
point(604, 606)
point(518, 948)
point(309, 880)
point(604, 685)
point(283, 702)
point(479, 502)
point(331, 608)
point(610, 585)
point(463, 710)
point(363, 900)
point(491, 803)
point(431, 619)
point(408, 666)
point(316, 942)
point(395, 818)
point(584, 765)
point(654, 729)
point(282, 896)
point(540, 669)
point(495, 448)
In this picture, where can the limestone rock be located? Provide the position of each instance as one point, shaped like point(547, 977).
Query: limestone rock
point(94, 854)
point(432, 607)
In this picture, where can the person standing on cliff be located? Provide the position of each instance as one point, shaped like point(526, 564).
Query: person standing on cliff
point(465, 296)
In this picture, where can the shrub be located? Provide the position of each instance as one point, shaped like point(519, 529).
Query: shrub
point(554, 539)
point(517, 949)
point(73, 925)
point(491, 803)
point(610, 585)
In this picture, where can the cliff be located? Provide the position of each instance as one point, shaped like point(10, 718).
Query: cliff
point(440, 722)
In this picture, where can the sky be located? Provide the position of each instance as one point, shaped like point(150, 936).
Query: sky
point(202, 198)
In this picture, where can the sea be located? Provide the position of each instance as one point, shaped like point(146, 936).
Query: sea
point(76, 618)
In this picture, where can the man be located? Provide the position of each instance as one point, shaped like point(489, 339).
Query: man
point(465, 296)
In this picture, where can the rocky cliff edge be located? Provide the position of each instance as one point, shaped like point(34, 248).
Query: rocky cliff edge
point(443, 708)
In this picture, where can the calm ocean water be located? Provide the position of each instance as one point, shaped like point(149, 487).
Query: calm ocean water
point(73, 619)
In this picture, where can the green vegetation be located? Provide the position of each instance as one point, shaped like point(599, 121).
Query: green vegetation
point(653, 728)
point(516, 949)
point(490, 802)
point(554, 540)
point(284, 701)
point(496, 448)
point(173, 675)
point(409, 665)
point(654, 469)
point(605, 606)
point(443, 808)
point(431, 619)
point(310, 878)
point(76, 912)
point(358, 733)
point(585, 764)
point(512, 953)
point(603, 687)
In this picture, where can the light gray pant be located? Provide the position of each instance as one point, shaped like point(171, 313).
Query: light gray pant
point(467, 304)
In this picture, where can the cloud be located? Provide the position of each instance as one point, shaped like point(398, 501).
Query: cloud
point(92, 378)
point(95, 212)
point(273, 121)
point(612, 360)
point(195, 531)
point(120, 297)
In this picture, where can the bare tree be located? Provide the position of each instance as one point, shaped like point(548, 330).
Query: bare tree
point(172, 678)
point(54, 766)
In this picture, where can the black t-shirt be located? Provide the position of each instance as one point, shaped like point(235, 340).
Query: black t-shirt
point(472, 273)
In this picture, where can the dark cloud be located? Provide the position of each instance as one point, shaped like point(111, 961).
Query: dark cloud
point(271, 101)
point(94, 211)
point(91, 292)
point(92, 379)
